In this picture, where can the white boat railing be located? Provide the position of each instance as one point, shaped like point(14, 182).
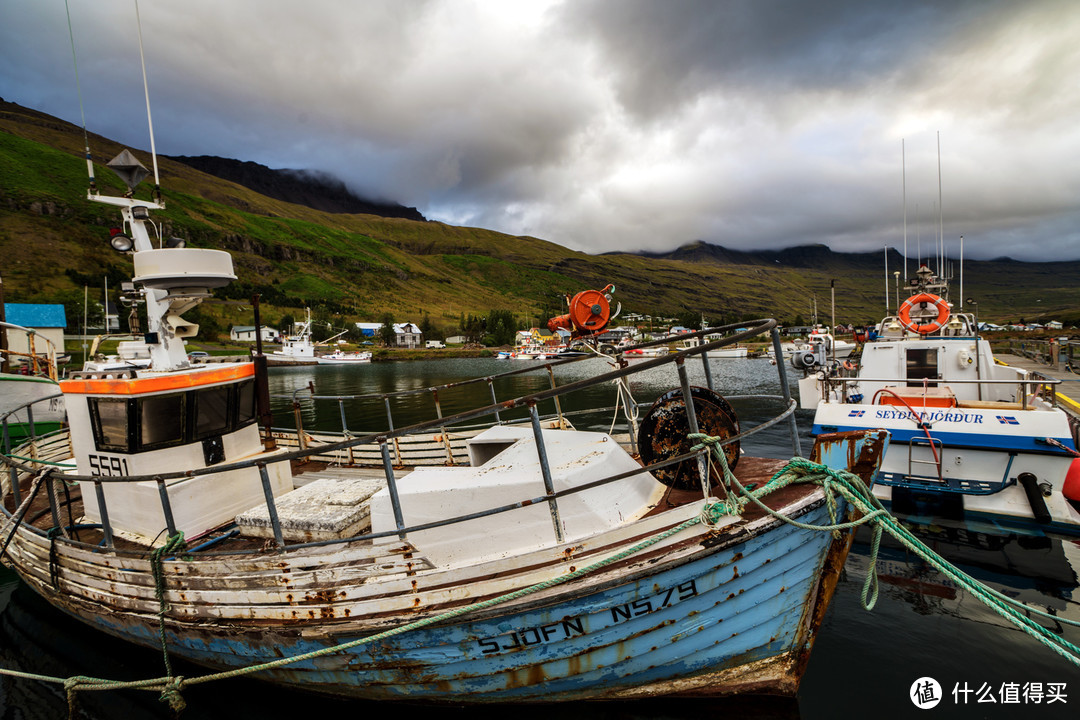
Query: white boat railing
point(1028, 387)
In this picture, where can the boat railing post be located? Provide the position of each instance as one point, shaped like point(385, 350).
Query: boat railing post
point(341, 410)
point(691, 415)
point(391, 487)
point(301, 441)
point(785, 391)
point(442, 429)
point(103, 511)
point(345, 430)
point(545, 470)
point(558, 405)
point(271, 506)
point(494, 401)
point(166, 506)
point(708, 370)
point(13, 475)
point(54, 510)
point(31, 431)
point(390, 427)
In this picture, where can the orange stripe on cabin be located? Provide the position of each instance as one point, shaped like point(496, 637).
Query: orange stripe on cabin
point(159, 383)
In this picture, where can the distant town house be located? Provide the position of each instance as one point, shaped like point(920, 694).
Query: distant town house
point(369, 330)
point(246, 333)
point(407, 335)
point(543, 336)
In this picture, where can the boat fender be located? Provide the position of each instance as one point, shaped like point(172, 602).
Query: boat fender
point(1034, 494)
point(922, 300)
point(1071, 488)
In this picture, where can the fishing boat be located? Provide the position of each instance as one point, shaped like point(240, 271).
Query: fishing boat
point(30, 397)
point(471, 558)
point(978, 437)
point(735, 351)
point(297, 347)
point(340, 357)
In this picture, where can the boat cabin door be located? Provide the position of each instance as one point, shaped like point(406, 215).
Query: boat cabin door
point(922, 365)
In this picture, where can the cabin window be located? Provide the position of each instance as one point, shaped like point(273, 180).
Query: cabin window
point(109, 418)
point(161, 421)
point(245, 413)
point(168, 420)
point(922, 364)
point(212, 411)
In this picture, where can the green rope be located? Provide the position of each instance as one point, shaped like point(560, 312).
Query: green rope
point(175, 544)
point(836, 483)
point(855, 491)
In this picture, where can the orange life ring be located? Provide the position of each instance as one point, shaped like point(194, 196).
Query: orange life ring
point(925, 329)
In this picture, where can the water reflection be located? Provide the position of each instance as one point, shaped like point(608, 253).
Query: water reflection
point(730, 377)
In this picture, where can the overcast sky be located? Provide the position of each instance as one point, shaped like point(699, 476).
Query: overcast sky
point(609, 124)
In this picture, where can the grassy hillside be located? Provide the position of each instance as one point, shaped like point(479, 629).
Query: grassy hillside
point(358, 267)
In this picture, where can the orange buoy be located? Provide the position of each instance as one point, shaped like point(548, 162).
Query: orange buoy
point(1071, 489)
point(904, 316)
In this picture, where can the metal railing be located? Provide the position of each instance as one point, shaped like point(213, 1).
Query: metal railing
point(27, 460)
point(1025, 387)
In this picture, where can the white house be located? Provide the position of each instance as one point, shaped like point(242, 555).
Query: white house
point(246, 333)
point(407, 335)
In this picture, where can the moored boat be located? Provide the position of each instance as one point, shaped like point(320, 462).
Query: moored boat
point(528, 562)
point(989, 437)
point(340, 357)
point(297, 347)
point(30, 400)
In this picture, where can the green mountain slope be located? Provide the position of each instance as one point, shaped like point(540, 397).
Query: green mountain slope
point(359, 267)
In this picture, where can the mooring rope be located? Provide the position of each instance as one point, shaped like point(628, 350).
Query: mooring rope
point(852, 488)
point(835, 483)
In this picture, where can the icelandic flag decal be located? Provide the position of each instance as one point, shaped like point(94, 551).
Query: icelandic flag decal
point(1007, 420)
point(856, 413)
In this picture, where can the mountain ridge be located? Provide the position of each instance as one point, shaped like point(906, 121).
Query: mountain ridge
point(361, 266)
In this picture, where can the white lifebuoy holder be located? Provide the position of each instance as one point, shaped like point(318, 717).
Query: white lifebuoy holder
point(904, 316)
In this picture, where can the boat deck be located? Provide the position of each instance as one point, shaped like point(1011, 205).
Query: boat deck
point(1068, 392)
point(750, 472)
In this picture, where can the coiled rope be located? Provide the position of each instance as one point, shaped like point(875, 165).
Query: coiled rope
point(835, 483)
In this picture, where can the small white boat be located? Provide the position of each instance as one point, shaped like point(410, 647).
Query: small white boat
point(340, 357)
point(731, 351)
point(835, 348)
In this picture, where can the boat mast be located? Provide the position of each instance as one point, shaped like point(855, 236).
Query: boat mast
point(941, 226)
point(903, 182)
point(146, 93)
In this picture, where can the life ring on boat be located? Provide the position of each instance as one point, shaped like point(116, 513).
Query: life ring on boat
point(848, 365)
point(904, 316)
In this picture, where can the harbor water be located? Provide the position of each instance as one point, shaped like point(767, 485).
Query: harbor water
point(864, 664)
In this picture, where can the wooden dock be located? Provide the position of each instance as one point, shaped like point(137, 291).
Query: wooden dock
point(1068, 391)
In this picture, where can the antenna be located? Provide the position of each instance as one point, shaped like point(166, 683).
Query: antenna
point(941, 227)
point(146, 92)
point(82, 111)
point(903, 176)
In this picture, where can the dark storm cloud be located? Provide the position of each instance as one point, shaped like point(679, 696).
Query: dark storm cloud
point(623, 124)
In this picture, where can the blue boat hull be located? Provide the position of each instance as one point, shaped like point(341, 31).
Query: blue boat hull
point(745, 607)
